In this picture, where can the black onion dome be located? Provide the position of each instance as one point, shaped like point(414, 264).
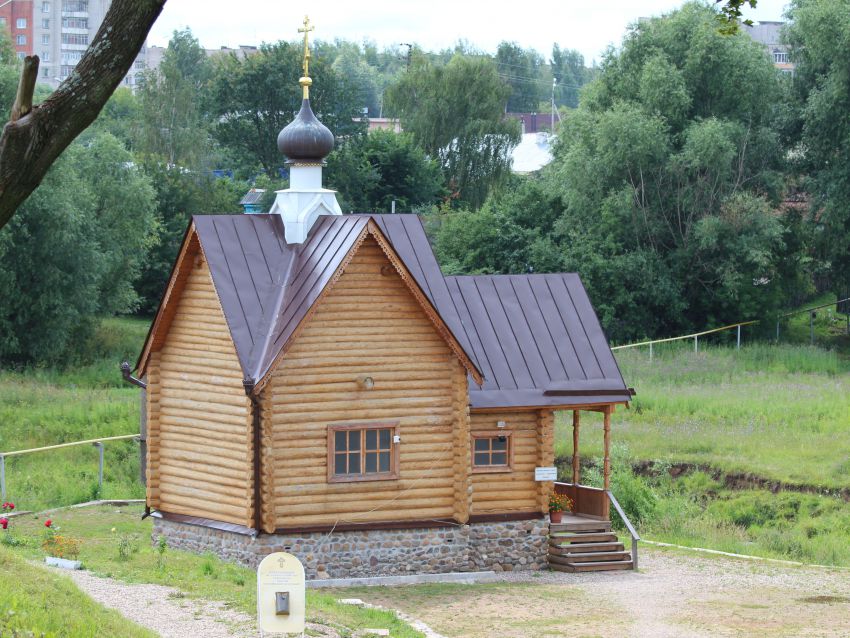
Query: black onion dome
point(305, 139)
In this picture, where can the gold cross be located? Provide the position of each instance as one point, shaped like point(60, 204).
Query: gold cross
point(306, 30)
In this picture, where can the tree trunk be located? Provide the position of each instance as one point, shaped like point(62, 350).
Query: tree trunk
point(29, 145)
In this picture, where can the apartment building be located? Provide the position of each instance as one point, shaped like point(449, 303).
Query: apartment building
point(16, 18)
point(59, 32)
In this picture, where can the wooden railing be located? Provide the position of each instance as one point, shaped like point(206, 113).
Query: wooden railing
point(587, 501)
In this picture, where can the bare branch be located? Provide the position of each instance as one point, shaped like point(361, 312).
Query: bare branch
point(26, 87)
point(30, 145)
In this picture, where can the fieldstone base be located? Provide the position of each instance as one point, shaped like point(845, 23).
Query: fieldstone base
point(500, 546)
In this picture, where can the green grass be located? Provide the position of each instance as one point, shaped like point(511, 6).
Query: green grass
point(40, 407)
point(35, 602)
point(776, 411)
point(203, 577)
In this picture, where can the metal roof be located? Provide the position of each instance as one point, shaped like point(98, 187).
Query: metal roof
point(535, 338)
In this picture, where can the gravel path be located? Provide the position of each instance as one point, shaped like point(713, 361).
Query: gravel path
point(164, 610)
point(675, 594)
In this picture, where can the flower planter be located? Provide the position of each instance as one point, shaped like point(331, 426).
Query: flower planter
point(64, 563)
point(555, 517)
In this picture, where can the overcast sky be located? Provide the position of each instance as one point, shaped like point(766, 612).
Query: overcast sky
point(586, 25)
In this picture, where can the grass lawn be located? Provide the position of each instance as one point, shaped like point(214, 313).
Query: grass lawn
point(40, 407)
point(782, 412)
point(35, 602)
point(204, 577)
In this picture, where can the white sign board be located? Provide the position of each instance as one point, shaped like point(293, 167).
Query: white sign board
point(545, 473)
point(280, 594)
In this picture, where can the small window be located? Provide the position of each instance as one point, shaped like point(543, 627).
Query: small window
point(45, 56)
point(492, 451)
point(362, 452)
point(20, 40)
point(2, 21)
point(21, 23)
point(45, 38)
point(45, 7)
point(45, 23)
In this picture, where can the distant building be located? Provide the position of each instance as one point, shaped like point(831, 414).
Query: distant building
point(535, 122)
point(381, 124)
point(58, 32)
point(769, 35)
point(16, 17)
point(252, 202)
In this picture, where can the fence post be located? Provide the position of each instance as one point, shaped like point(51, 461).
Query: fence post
point(812, 327)
point(650, 344)
point(777, 331)
point(99, 446)
point(739, 336)
point(696, 343)
point(3, 477)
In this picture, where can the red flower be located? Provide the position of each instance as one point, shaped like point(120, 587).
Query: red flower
point(11, 506)
point(4, 522)
point(48, 523)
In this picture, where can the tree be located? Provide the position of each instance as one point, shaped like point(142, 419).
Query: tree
point(570, 74)
point(255, 97)
point(173, 124)
point(456, 114)
point(72, 252)
point(34, 139)
point(520, 68)
point(373, 171)
point(818, 128)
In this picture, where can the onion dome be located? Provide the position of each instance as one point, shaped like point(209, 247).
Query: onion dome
point(305, 139)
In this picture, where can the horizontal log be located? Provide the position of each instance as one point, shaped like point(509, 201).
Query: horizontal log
point(358, 492)
point(355, 393)
point(194, 405)
point(176, 454)
point(223, 360)
point(231, 479)
point(205, 396)
point(202, 441)
point(421, 415)
point(387, 374)
point(226, 514)
point(190, 414)
point(206, 495)
point(193, 382)
point(413, 514)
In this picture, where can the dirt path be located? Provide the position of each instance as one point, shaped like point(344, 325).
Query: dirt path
point(674, 594)
point(165, 611)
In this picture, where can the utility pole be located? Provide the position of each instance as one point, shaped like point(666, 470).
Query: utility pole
point(554, 82)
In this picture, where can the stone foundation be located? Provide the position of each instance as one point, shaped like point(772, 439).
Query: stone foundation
point(499, 546)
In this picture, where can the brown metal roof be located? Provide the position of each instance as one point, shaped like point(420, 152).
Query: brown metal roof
point(535, 338)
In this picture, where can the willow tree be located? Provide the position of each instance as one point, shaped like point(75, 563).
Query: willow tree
point(456, 114)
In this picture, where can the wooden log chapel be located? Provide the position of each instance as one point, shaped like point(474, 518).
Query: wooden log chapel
point(315, 383)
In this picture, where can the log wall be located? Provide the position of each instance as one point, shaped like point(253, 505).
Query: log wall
point(515, 491)
point(200, 455)
point(368, 324)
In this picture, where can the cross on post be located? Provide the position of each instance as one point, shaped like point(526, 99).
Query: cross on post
point(305, 81)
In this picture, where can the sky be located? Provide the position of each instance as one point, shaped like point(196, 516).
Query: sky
point(587, 25)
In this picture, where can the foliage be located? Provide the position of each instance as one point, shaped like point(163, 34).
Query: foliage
point(817, 128)
point(560, 502)
point(253, 98)
point(72, 253)
point(173, 124)
point(521, 68)
point(61, 546)
point(455, 112)
point(180, 194)
point(571, 74)
point(371, 171)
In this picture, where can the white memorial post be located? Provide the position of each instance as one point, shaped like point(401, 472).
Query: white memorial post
point(280, 595)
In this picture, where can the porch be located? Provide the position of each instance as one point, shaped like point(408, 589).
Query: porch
point(583, 540)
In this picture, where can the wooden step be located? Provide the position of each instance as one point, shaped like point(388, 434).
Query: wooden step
point(583, 537)
point(585, 526)
point(601, 566)
point(590, 557)
point(583, 548)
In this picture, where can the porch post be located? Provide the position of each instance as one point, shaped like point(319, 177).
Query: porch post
point(576, 468)
point(606, 467)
